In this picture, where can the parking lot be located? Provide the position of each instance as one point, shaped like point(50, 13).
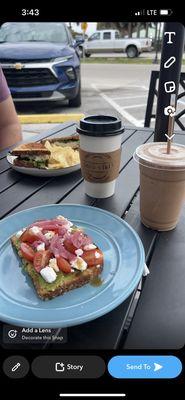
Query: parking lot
point(117, 89)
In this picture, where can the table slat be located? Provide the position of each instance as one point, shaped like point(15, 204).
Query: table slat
point(159, 321)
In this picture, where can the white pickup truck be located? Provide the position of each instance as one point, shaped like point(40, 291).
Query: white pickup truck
point(110, 41)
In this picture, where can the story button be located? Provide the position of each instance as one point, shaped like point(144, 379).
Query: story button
point(64, 367)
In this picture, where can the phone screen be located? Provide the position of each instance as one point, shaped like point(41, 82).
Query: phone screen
point(92, 181)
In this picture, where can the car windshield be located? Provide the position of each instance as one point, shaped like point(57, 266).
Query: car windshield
point(33, 32)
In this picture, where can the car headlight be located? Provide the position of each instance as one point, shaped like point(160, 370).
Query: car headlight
point(62, 59)
point(70, 73)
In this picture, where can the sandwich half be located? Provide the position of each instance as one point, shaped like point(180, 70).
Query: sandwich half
point(72, 141)
point(57, 256)
point(31, 155)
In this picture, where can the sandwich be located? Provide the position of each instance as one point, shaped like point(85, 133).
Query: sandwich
point(31, 155)
point(58, 256)
point(49, 153)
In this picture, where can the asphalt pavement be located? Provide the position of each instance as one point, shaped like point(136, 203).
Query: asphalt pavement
point(116, 89)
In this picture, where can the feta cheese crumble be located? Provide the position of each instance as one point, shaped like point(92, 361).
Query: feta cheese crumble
point(79, 264)
point(35, 230)
point(41, 247)
point(60, 217)
point(53, 264)
point(49, 235)
point(79, 252)
point(48, 274)
point(19, 233)
point(68, 223)
point(97, 255)
point(90, 246)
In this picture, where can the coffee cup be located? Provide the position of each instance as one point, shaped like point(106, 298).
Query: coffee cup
point(100, 153)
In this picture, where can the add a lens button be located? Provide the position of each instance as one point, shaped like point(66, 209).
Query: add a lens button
point(144, 367)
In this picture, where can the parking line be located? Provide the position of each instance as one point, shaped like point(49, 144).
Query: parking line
point(117, 107)
point(135, 106)
point(128, 97)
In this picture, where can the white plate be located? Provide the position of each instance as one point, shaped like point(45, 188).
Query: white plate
point(42, 172)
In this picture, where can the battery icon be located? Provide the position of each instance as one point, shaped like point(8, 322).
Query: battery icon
point(165, 12)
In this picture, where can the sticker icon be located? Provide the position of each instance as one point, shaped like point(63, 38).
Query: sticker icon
point(170, 111)
point(169, 62)
point(169, 86)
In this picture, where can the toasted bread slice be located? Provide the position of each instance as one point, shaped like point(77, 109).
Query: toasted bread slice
point(71, 141)
point(30, 149)
point(63, 283)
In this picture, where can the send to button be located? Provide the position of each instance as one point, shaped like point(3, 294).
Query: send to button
point(144, 367)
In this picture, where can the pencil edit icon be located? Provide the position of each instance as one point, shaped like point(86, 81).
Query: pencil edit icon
point(15, 367)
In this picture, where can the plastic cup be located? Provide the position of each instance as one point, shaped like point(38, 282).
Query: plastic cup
point(100, 152)
point(162, 184)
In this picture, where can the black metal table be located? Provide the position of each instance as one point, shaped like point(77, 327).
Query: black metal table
point(154, 315)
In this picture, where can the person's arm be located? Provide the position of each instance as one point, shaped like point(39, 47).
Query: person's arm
point(10, 128)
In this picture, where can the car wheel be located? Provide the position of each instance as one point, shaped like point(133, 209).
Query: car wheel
point(132, 52)
point(80, 51)
point(76, 102)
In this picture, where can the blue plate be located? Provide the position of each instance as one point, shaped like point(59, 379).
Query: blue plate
point(123, 268)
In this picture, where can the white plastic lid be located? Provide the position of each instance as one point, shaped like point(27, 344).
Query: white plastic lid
point(154, 155)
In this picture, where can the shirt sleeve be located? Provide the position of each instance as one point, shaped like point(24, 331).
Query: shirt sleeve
point(4, 90)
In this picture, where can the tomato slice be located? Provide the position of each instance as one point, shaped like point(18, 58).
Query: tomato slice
point(93, 257)
point(28, 236)
point(69, 246)
point(63, 265)
point(41, 259)
point(27, 252)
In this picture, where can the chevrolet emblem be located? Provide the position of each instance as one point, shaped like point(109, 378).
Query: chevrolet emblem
point(18, 66)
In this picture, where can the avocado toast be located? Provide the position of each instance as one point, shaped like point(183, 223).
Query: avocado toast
point(57, 256)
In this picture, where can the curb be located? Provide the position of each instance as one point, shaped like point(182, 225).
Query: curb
point(48, 118)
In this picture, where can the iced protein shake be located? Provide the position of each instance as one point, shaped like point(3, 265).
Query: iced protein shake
point(162, 184)
point(100, 152)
